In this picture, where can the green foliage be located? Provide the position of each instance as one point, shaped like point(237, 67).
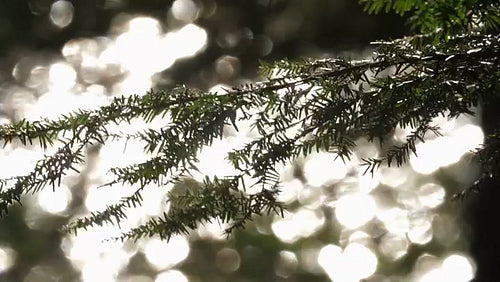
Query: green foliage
point(303, 107)
point(443, 17)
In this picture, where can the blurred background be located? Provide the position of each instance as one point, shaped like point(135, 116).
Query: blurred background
point(59, 56)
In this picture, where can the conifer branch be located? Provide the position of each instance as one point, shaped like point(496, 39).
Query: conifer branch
point(304, 106)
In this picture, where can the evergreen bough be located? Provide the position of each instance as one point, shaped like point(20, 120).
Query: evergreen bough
point(448, 67)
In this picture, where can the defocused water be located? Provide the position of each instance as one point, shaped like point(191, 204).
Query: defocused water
point(395, 225)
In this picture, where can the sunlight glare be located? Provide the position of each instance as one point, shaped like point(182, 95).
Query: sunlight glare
point(212, 230)
point(144, 25)
point(393, 176)
point(139, 48)
point(171, 275)
point(162, 254)
point(420, 230)
point(99, 198)
point(431, 195)
point(458, 268)
point(91, 69)
point(434, 275)
point(212, 160)
point(464, 139)
point(322, 168)
point(144, 50)
point(444, 123)
point(292, 226)
point(360, 258)
point(104, 268)
point(66, 102)
point(21, 161)
point(186, 42)
point(455, 267)
point(62, 76)
point(54, 201)
point(290, 190)
point(428, 268)
point(367, 181)
point(128, 153)
point(426, 162)
point(355, 210)
point(89, 244)
point(330, 258)
point(469, 137)
point(400, 134)
point(310, 197)
point(395, 220)
point(155, 200)
point(356, 262)
point(393, 246)
point(133, 83)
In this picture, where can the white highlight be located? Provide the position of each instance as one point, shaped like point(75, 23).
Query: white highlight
point(171, 276)
point(162, 254)
point(431, 195)
point(322, 168)
point(185, 10)
point(61, 13)
point(62, 76)
point(356, 262)
point(355, 210)
point(456, 268)
point(395, 220)
point(7, 258)
point(393, 246)
point(54, 201)
point(304, 223)
point(446, 150)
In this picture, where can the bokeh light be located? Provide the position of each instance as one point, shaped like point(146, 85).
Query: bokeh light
point(185, 10)
point(61, 13)
point(453, 268)
point(7, 258)
point(355, 210)
point(212, 160)
point(21, 161)
point(213, 230)
point(395, 220)
point(394, 247)
point(62, 76)
point(354, 263)
point(464, 139)
point(290, 190)
point(458, 268)
point(420, 231)
point(171, 276)
point(322, 168)
point(161, 254)
point(293, 226)
point(431, 195)
point(54, 201)
point(287, 263)
point(381, 214)
point(227, 260)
